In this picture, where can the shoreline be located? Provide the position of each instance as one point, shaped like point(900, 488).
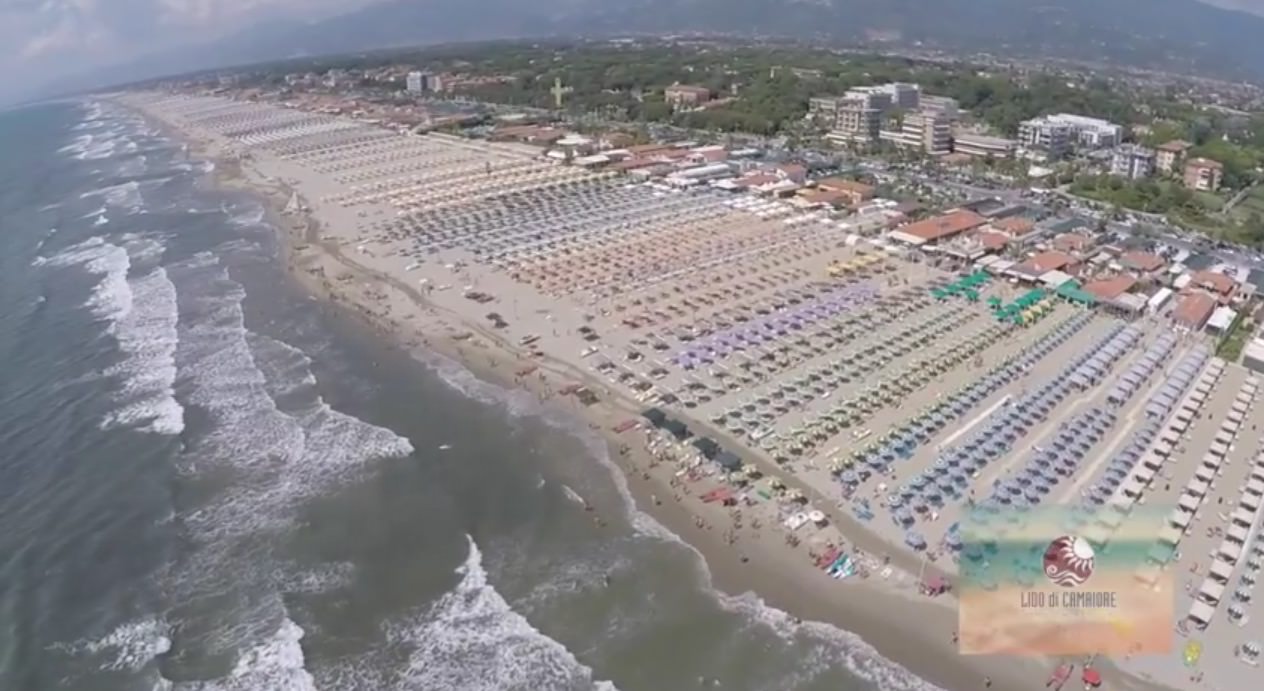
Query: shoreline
point(909, 629)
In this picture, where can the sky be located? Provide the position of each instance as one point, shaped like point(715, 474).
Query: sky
point(45, 39)
point(42, 40)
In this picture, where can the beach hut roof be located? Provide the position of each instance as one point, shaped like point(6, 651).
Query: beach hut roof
point(729, 461)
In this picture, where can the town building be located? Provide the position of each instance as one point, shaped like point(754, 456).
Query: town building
point(927, 132)
point(1075, 243)
point(983, 146)
point(857, 120)
point(1193, 310)
point(1132, 161)
point(685, 96)
point(1054, 135)
point(1044, 138)
point(1203, 174)
point(893, 95)
point(875, 97)
point(420, 82)
point(942, 105)
point(1224, 288)
point(854, 193)
point(1145, 264)
point(939, 229)
point(1170, 155)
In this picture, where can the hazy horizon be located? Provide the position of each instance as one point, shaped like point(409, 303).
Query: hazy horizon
point(47, 41)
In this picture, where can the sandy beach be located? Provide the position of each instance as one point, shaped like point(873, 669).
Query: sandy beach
point(745, 544)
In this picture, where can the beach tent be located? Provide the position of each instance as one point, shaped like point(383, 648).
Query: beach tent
point(677, 428)
point(729, 461)
point(707, 446)
point(655, 416)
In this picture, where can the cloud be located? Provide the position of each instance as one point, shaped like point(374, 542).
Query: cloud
point(41, 40)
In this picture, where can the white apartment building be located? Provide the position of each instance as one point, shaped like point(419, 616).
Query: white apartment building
point(415, 82)
point(1132, 161)
point(1055, 135)
point(893, 95)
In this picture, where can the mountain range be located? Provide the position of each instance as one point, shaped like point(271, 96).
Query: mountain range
point(1181, 35)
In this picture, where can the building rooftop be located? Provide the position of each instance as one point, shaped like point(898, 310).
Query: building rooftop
point(1204, 163)
point(1072, 242)
point(1110, 288)
point(844, 185)
point(1045, 262)
point(1014, 226)
point(1213, 281)
point(1194, 310)
point(1142, 261)
point(948, 225)
point(1175, 146)
point(992, 240)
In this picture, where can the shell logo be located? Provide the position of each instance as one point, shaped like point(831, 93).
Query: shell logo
point(1069, 561)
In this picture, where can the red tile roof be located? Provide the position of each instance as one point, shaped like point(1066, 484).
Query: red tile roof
point(1111, 288)
point(1072, 242)
point(991, 240)
point(1142, 261)
point(1045, 262)
point(1204, 163)
point(1194, 310)
point(952, 223)
point(1213, 281)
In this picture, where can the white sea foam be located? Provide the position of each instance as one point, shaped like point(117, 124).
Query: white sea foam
point(111, 298)
point(142, 249)
point(280, 457)
point(129, 647)
point(824, 646)
point(250, 216)
point(147, 336)
point(469, 639)
point(275, 664)
point(124, 195)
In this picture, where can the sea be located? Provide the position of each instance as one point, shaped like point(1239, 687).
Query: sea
point(211, 481)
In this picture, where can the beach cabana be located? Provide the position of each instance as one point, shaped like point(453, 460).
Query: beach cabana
point(729, 461)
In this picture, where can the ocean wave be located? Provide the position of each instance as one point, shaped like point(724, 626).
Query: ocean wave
point(281, 457)
point(125, 195)
point(271, 443)
point(522, 403)
point(147, 336)
point(129, 647)
point(274, 664)
point(824, 646)
point(111, 298)
point(833, 646)
point(468, 639)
